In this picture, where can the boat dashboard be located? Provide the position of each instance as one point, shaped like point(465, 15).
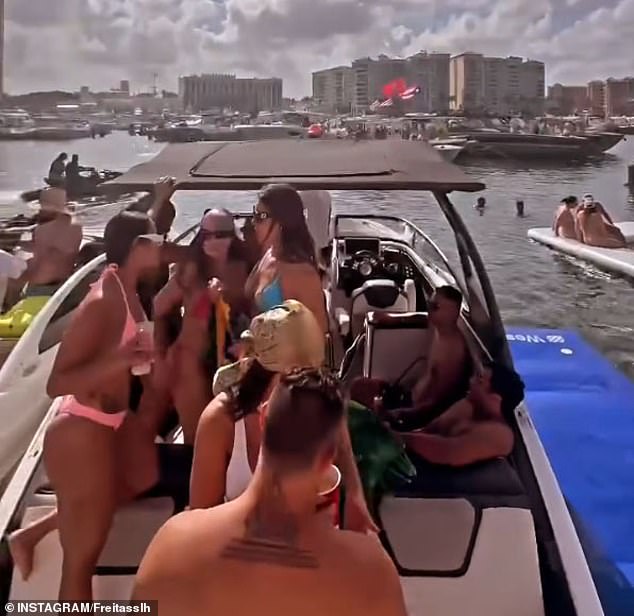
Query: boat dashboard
point(363, 259)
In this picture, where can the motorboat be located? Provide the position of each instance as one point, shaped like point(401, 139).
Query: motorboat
point(510, 145)
point(89, 180)
point(16, 125)
point(492, 539)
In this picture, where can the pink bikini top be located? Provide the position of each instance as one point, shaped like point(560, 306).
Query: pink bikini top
point(130, 327)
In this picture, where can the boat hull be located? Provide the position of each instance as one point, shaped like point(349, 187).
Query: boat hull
point(523, 146)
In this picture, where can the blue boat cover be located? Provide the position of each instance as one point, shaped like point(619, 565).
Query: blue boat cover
point(583, 409)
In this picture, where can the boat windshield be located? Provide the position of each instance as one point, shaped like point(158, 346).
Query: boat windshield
point(400, 230)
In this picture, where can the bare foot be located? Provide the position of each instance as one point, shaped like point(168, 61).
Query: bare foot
point(21, 549)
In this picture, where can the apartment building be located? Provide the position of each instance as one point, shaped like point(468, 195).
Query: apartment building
point(566, 100)
point(467, 84)
point(596, 97)
point(619, 97)
point(199, 92)
point(333, 89)
point(500, 86)
point(429, 71)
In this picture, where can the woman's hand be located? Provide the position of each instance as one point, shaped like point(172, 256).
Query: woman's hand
point(214, 290)
point(138, 350)
point(164, 189)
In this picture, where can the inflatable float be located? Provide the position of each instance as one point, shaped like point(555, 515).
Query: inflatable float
point(616, 260)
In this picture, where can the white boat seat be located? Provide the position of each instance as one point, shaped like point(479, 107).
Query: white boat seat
point(133, 528)
point(374, 295)
point(501, 574)
point(396, 344)
point(444, 538)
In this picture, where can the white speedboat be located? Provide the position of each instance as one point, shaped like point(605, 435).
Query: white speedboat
point(494, 539)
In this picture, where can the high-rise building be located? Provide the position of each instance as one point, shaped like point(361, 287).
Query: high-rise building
point(430, 71)
point(500, 86)
point(370, 77)
point(619, 96)
point(333, 88)
point(596, 97)
point(566, 100)
point(1, 48)
point(124, 86)
point(467, 82)
point(199, 92)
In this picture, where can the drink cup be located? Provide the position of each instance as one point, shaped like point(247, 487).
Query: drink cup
point(329, 494)
point(145, 336)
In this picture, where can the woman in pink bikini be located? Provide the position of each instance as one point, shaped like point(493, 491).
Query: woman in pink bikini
point(97, 454)
point(208, 290)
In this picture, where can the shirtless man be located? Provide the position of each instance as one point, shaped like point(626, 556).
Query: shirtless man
point(595, 228)
point(446, 378)
point(472, 430)
point(565, 224)
point(267, 552)
point(55, 247)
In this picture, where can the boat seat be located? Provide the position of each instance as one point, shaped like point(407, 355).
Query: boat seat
point(133, 528)
point(455, 558)
point(375, 295)
point(397, 345)
point(490, 483)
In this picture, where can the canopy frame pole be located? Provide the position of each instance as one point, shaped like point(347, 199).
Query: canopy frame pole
point(500, 348)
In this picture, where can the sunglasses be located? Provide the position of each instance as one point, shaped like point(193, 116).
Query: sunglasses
point(259, 216)
point(217, 235)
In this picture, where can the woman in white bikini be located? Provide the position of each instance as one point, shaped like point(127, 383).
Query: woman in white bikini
point(97, 454)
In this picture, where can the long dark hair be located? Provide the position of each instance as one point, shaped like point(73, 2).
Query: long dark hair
point(248, 394)
point(237, 248)
point(286, 208)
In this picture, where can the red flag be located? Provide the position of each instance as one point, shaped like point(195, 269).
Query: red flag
point(394, 88)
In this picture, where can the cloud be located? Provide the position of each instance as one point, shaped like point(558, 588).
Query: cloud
point(69, 43)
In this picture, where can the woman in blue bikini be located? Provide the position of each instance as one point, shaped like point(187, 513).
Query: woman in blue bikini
point(288, 269)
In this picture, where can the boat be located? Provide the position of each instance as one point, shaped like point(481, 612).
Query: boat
point(62, 131)
point(449, 151)
point(493, 143)
point(615, 260)
point(493, 539)
point(16, 125)
point(90, 179)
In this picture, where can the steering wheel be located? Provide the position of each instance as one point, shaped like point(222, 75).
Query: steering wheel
point(366, 263)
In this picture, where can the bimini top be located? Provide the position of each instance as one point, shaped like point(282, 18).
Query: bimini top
point(306, 164)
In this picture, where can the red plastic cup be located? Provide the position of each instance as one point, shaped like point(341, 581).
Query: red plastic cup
point(330, 495)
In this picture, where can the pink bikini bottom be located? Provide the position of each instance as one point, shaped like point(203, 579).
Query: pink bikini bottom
point(70, 406)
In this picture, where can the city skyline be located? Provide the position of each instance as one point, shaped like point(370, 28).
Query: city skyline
point(70, 43)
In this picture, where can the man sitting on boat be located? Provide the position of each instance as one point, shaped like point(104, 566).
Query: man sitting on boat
point(55, 246)
point(565, 223)
point(57, 170)
point(472, 430)
point(596, 227)
point(275, 548)
point(446, 377)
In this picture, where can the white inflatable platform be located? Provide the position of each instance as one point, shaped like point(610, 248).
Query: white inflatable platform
point(617, 260)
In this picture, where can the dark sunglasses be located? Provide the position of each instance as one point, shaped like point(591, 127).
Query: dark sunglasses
point(217, 235)
point(259, 216)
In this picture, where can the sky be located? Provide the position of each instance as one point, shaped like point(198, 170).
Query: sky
point(64, 44)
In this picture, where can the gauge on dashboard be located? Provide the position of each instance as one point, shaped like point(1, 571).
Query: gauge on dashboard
point(365, 269)
point(392, 268)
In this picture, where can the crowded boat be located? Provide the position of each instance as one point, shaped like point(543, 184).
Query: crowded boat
point(285, 410)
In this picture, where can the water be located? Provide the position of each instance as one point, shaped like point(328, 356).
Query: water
point(534, 285)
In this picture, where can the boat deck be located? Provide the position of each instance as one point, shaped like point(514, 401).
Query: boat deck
point(583, 409)
point(617, 260)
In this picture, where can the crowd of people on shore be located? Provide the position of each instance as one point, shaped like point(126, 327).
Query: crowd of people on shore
point(587, 222)
point(232, 333)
